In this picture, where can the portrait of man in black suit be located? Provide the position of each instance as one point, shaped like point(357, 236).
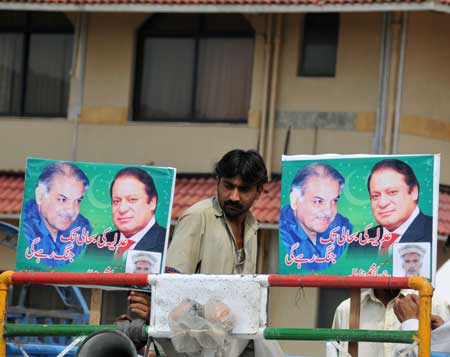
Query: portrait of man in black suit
point(394, 196)
point(134, 200)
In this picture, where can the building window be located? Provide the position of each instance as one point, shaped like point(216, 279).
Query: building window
point(193, 67)
point(319, 46)
point(36, 55)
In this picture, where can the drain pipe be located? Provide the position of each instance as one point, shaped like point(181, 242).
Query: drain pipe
point(396, 32)
point(78, 71)
point(273, 92)
point(385, 55)
point(265, 89)
point(399, 89)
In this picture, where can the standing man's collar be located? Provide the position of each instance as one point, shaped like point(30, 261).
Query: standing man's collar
point(369, 294)
point(217, 209)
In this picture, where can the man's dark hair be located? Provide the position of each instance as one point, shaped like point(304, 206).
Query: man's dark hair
point(318, 170)
point(398, 166)
point(248, 165)
point(139, 175)
point(61, 168)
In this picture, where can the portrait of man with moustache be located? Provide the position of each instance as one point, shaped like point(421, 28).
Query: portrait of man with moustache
point(394, 195)
point(313, 214)
point(134, 201)
point(55, 213)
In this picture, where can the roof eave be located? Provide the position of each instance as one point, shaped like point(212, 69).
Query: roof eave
point(228, 8)
point(9, 216)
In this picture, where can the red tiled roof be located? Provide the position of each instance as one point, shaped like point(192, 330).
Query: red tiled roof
point(11, 192)
point(189, 190)
point(212, 2)
point(444, 213)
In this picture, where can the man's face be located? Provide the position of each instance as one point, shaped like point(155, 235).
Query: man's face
point(318, 207)
point(131, 208)
point(412, 263)
point(235, 197)
point(142, 267)
point(392, 203)
point(60, 206)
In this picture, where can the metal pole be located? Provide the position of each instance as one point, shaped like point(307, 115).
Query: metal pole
point(265, 91)
point(339, 281)
point(425, 293)
point(53, 330)
point(79, 71)
point(328, 334)
point(5, 281)
point(385, 56)
point(273, 93)
point(80, 278)
point(399, 89)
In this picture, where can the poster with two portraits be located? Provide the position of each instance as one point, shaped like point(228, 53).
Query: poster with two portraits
point(360, 215)
point(92, 217)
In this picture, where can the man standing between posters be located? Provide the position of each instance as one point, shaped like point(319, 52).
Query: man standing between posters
point(311, 218)
point(394, 194)
point(219, 235)
point(134, 200)
point(53, 221)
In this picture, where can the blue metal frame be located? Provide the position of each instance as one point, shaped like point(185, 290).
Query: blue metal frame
point(71, 297)
point(37, 350)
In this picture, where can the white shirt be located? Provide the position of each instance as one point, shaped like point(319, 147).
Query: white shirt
point(440, 338)
point(375, 316)
point(139, 235)
point(443, 281)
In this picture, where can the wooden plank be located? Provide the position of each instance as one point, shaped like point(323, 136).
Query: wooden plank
point(96, 307)
point(355, 307)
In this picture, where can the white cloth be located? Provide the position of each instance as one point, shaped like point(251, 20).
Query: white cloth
point(375, 316)
point(440, 339)
point(443, 281)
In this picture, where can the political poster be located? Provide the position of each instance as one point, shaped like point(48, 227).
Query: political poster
point(94, 217)
point(359, 215)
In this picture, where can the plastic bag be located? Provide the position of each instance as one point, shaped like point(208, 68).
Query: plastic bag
point(201, 329)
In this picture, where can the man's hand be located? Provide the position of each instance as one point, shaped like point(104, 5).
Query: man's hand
point(436, 321)
point(406, 307)
point(139, 304)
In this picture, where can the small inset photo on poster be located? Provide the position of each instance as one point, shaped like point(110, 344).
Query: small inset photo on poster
point(411, 259)
point(143, 262)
